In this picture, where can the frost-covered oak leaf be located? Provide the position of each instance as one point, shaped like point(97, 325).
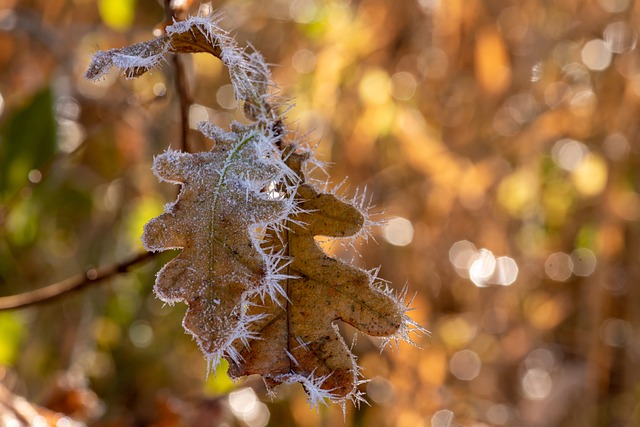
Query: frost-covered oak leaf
point(300, 341)
point(260, 292)
point(223, 199)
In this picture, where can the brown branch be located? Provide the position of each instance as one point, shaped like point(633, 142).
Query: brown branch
point(181, 86)
point(185, 101)
point(72, 284)
point(81, 281)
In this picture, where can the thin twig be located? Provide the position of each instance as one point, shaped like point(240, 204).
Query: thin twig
point(185, 101)
point(72, 284)
point(181, 87)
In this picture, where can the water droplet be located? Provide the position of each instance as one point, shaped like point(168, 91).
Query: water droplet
point(140, 334)
point(536, 384)
point(596, 55)
point(568, 153)
point(615, 332)
point(465, 365)
point(461, 255)
point(482, 267)
point(614, 6)
point(442, 418)
point(304, 61)
point(403, 85)
point(584, 262)
point(619, 37)
point(558, 266)
point(506, 271)
point(398, 231)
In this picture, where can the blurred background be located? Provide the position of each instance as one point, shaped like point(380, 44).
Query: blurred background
point(500, 138)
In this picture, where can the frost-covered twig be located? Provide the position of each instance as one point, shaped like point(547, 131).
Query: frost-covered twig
point(249, 73)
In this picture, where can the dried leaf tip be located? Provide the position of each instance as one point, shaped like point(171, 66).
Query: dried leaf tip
point(249, 73)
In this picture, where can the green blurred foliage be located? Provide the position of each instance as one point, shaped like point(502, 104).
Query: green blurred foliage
point(11, 334)
point(28, 138)
point(117, 14)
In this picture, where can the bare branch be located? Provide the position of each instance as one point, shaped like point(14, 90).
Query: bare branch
point(76, 283)
point(181, 86)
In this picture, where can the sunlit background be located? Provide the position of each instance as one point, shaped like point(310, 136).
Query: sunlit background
point(499, 139)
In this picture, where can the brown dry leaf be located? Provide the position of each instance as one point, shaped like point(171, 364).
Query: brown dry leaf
point(299, 340)
point(221, 264)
